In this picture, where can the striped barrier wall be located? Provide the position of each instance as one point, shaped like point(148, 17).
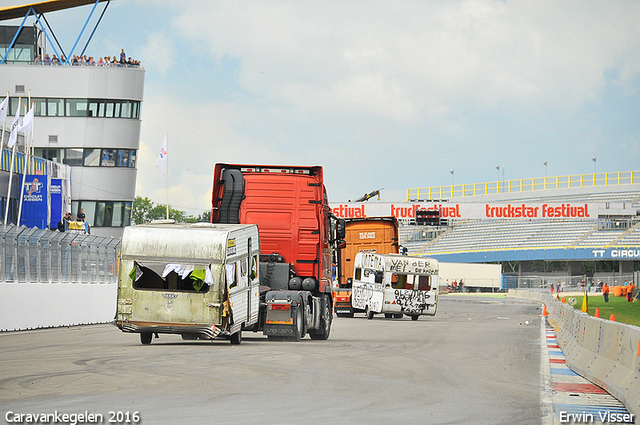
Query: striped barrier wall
point(605, 352)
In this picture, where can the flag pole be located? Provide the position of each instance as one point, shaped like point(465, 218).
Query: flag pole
point(13, 152)
point(3, 122)
point(27, 152)
point(167, 178)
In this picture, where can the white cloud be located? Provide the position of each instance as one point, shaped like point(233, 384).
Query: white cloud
point(159, 53)
point(402, 59)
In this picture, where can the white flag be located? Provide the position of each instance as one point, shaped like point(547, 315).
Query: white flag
point(27, 121)
point(4, 106)
point(14, 129)
point(161, 163)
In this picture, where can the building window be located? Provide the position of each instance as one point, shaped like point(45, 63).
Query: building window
point(73, 157)
point(104, 213)
point(40, 105)
point(109, 157)
point(55, 107)
point(123, 158)
point(95, 108)
point(92, 157)
point(76, 108)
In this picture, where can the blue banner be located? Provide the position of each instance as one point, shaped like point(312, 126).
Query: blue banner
point(35, 202)
point(57, 201)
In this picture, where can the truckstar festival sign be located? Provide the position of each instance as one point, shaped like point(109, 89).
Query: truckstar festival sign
point(450, 210)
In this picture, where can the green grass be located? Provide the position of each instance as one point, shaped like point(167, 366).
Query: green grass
point(624, 311)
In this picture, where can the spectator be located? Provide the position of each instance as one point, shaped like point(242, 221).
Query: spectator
point(123, 57)
point(630, 291)
point(38, 59)
point(605, 292)
point(81, 215)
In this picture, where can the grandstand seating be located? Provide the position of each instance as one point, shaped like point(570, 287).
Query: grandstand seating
point(521, 234)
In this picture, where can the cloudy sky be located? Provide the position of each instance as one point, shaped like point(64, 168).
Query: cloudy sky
point(382, 94)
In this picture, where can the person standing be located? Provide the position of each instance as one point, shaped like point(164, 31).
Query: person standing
point(605, 292)
point(630, 291)
point(81, 215)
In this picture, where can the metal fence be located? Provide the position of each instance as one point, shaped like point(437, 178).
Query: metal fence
point(38, 256)
point(571, 283)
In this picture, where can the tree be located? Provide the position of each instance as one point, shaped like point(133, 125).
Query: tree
point(144, 210)
point(141, 209)
point(205, 217)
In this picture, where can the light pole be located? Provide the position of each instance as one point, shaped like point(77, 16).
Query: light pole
point(498, 168)
point(452, 172)
point(545, 169)
point(594, 164)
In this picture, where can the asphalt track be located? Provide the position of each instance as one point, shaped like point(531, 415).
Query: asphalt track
point(476, 362)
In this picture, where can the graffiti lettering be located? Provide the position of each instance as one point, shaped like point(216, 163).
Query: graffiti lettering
point(411, 301)
point(398, 265)
point(362, 294)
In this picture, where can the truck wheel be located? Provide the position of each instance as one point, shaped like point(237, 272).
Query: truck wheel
point(414, 318)
point(388, 315)
point(398, 316)
point(236, 338)
point(146, 337)
point(369, 313)
point(323, 334)
point(298, 325)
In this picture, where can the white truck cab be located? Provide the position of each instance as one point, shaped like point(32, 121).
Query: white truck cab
point(395, 285)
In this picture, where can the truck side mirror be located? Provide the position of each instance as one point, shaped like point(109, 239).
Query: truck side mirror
point(341, 228)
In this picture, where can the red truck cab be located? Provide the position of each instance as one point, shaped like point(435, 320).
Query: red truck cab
point(290, 206)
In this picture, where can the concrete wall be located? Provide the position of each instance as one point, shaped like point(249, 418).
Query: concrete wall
point(605, 352)
point(43, 305)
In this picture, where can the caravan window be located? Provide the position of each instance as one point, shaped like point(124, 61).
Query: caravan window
point(424, 283)
point(149, 277)
point(399, 281)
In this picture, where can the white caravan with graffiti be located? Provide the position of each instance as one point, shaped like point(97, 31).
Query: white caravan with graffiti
point(395, 285)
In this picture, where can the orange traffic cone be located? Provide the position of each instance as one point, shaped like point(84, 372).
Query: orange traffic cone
point(558, 297)
point(564, 300)
point(612, 317)
point(597, 313)
point(544, 311)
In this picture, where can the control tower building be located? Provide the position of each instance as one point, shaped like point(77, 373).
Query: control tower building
point(87, 114)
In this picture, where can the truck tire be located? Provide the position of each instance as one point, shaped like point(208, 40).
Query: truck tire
point(323, 334)
point(236, 338)
point(398, 315)
point(414, 317)
point(146, 337)
point(388, 315)
point(298, 329)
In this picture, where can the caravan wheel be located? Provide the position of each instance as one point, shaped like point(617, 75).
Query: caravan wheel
point(236, 338)
point(369, 313)
point(146, 337)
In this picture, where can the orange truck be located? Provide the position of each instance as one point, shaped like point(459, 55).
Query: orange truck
point(297, 233)
point(375, 235)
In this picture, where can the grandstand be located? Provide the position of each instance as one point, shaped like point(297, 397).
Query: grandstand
point(611, 232)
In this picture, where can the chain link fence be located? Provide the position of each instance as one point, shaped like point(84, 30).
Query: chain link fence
point(41, 255)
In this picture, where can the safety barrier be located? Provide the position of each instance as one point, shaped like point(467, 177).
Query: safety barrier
point(50, 278)
point(605, 352)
